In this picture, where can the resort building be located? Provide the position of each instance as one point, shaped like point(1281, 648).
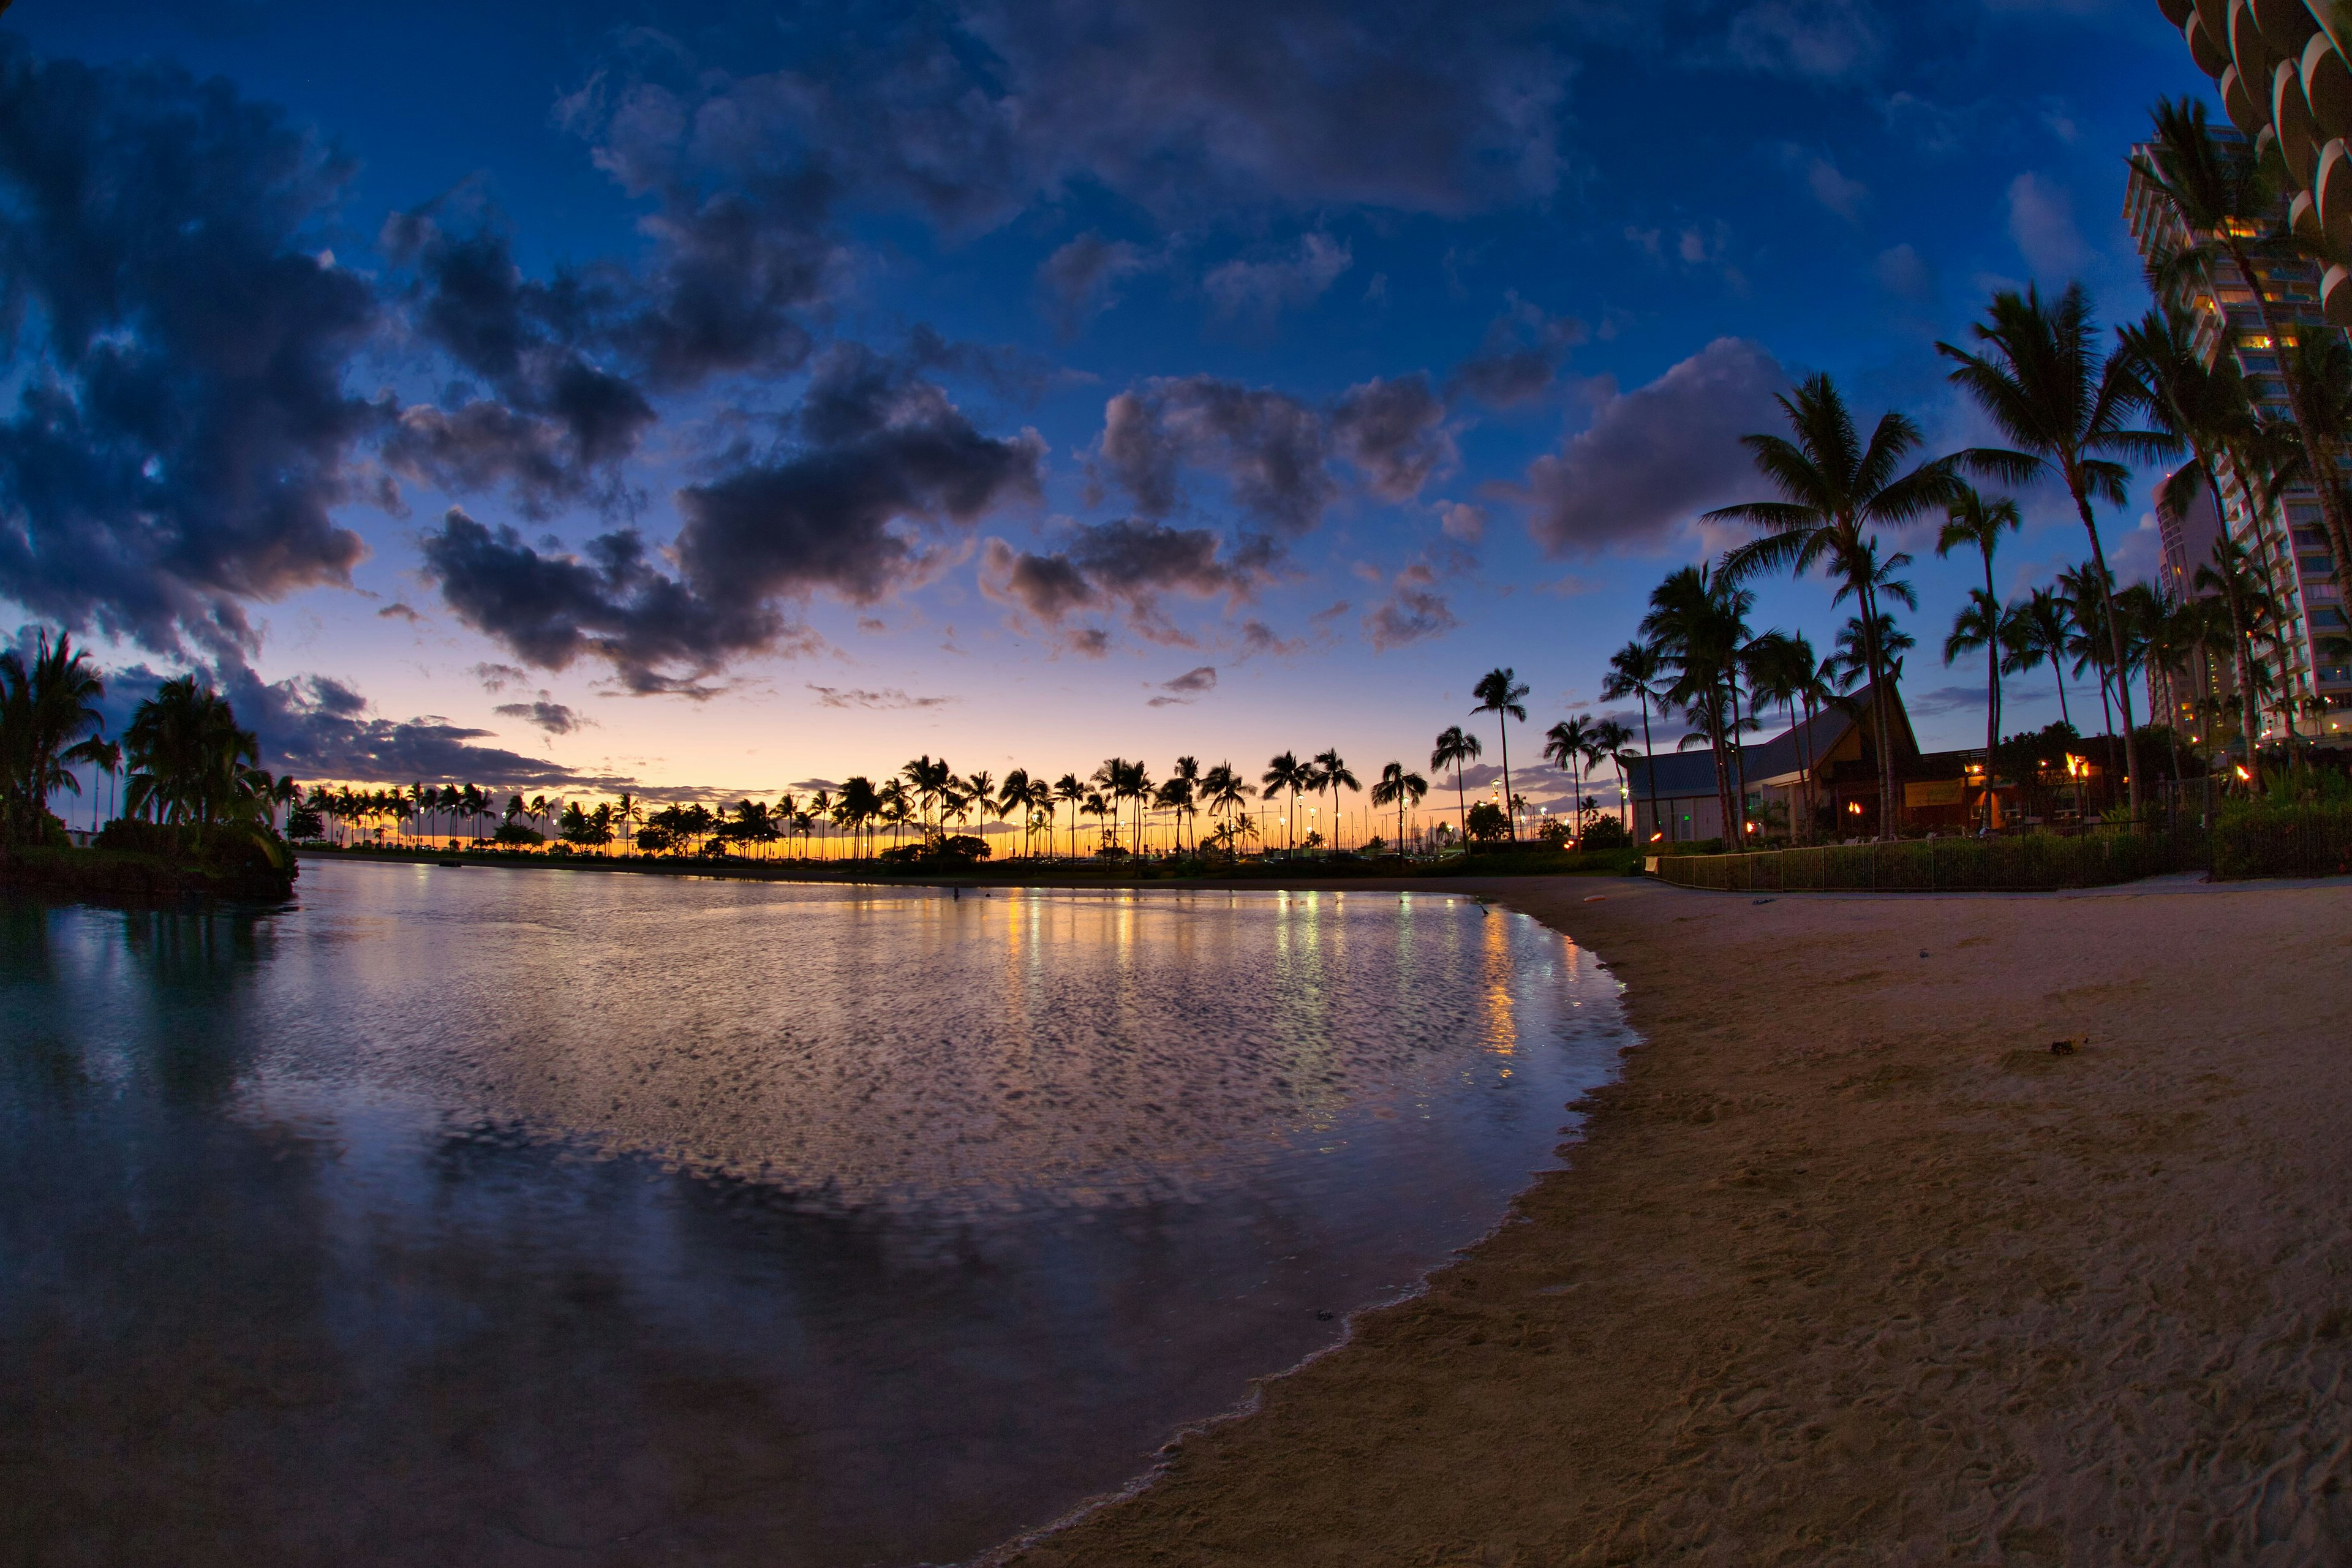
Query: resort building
point(1829, 761)
point(2281, 68)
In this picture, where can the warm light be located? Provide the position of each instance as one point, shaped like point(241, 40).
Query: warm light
point(1751, 827)
point(2243, 774)
point(1854, 806)
point(1655, 837)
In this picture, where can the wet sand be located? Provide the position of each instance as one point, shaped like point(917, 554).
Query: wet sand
point(1852, 1268)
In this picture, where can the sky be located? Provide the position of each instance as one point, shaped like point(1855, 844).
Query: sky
point(713, 398)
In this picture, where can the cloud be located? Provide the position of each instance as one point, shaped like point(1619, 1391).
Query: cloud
point(1394, 431)
point(882, 456)
point(1264, 288)
point(399, 612)
point(1080, 280)
point(552, 717)
point(1653, 457)
point(496, 677)
point(1271, 450)
point(1257, 637)
point(1462, 521)
point(1903, 272)
point(1833, 189)
point(889, 698)
point(1944, 700)
point(1408, 616)
point(1189, 687)
point(1824, 40)
point(181, 436)
point(2042, 222)
point(314, 727)
point(1126, 562)
point(1519, 357)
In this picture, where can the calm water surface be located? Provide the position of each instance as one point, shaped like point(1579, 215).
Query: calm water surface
point(508, 1216)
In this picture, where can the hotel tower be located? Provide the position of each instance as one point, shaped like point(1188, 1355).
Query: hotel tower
point(2281, 69)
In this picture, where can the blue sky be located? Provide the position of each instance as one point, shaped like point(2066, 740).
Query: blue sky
point(721, 397)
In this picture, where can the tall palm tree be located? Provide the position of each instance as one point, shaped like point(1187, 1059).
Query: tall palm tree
point(2089, 594)
point(1610, 740)
point(2039, 629)
point(1455, 747)
point(1072, 794)
point(856, 805)
point(1332, 775)
point(1699, 620)
point(2206, 409)
point(1780, 668)
point(1403, 790)
point(1836, 490)
point(1501, 692)
point(1566, 744)
point(105, 757)
point(1186, 771)
point(2065, 410)
point(1976, 523)
point(2231, 577)
point(45, 709)
point(2232, 214)
point(1637, 671)
point(1013, 796)
point(1286, 774)
point(1225, 792)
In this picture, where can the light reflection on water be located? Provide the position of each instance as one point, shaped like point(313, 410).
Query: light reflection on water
point(516, 1216)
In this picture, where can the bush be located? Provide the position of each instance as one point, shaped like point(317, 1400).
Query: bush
point(515, 832)
point(2285, 838)
point(1606, 834)
point(1488, 823)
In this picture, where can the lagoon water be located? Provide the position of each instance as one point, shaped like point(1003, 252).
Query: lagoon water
point(497, 1215)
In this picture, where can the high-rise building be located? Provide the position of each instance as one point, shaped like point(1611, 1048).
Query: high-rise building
point(2281, 67)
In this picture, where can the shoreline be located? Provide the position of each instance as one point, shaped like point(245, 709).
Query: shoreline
point(1847, 1267)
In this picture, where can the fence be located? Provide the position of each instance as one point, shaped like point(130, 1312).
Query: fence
point(2283, 841)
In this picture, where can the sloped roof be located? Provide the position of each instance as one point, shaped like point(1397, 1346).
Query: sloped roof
point(1692, 772)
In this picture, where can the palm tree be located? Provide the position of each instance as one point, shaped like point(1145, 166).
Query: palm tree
point(192, 763)
point(1610, 740)
point(1187, 773)
point(45, 709)
point(2065, 411)
point(2231, 577)
point(2088, 594)
point(1500, 692)
point(1978, 523)
point(1403, 790)
point(1834, 492)
point(859, 804)
point(105, 757)
point(1566, 744)
point(1226, 792)
point(1698, 621)
point(1636, 671)
point(1455, 747)
point(1286, 774)
point(1332, 775)
point(1780, 668)
point(2230, 211)
point(1095, 805)
point(1072, 794)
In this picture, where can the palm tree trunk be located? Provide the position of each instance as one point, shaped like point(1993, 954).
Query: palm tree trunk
point(2116, 638)
point(1510, 818)
point(1650, 761)
point(1880, 711)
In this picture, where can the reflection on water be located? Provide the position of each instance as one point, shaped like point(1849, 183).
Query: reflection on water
point(511, 1216)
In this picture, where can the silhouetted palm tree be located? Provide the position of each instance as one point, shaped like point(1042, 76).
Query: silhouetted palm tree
point(1976, 523)
point(45, 709)
point(1331, 775)
point(1457, 746)
point(1637, 671)
point(1225, 792)
point(2065, 411)
point(1287, 775)
point(1835, 490)
point(1403, 790)
point(1565, 746)
point(1071, 792)
point(1500, 692)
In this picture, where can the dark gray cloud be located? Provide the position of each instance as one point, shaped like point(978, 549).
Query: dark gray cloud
point(878, 458)
point(1080, 280)
point(1409, 615)
point(181, 435)
point(1655, 458)
point(1945, 700)
point(552, 717)
point(400, 612)
point(889, 696)
point(1271, 450)
point(1395, 433)
point(1187, 688)
point(1264, 285)
point(1126, 563)
point(1519, 358)
point(972, 112)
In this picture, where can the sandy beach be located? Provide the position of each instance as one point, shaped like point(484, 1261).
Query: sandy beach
point(1849, 1268)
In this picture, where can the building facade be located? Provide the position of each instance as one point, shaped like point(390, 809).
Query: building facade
point(2284, 71)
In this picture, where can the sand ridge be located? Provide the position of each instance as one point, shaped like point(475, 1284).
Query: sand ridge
point(1851, 1268)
